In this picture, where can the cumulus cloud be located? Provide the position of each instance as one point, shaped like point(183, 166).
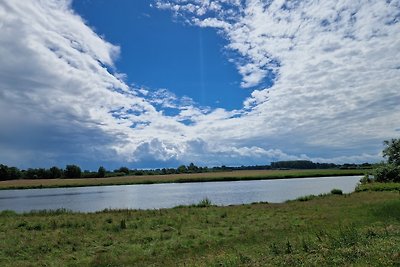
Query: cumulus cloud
point(334, 95)
point(334, 65)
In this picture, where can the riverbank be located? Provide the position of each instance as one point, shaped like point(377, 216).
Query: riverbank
point(178, 178)
point(361, 229)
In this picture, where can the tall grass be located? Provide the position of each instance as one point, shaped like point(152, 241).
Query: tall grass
point(361, 229)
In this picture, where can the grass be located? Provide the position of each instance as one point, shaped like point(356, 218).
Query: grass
point(177, 178)
point(375, 186)
point(360, 229)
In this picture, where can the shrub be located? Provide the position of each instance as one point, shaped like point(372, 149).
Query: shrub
point(306, 198)
point(367, 178)
point(336, 191)
point(205, 202)
point(387, 173)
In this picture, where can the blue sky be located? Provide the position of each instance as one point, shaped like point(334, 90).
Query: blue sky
point(148, 84)
point(159, 52)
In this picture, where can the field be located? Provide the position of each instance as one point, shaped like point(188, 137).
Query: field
point(360, 229)
point(177, 178)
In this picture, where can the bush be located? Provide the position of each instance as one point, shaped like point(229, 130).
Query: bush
point(387, 173)
point(336, 191)
point(306, 198)
point(367, 178)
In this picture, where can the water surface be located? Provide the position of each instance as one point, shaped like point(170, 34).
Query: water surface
point(155, 196)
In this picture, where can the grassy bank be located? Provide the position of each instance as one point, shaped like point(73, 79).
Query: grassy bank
point(378, 187)
point(361, 229)
point(177, 178)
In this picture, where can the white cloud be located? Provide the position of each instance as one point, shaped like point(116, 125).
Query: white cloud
point(335, 96)
point(335, 63)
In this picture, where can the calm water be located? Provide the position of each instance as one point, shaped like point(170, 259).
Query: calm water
point(155, 196)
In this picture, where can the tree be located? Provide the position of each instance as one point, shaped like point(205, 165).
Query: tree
point(14, 173)
point(3, 172)
point(192, 168)
point(9, 173)
point(390, 171)
point(392, 151)
point(101, 172)
point(55, 172)
point(181, 169)
point(72, 171)
point(124, 170)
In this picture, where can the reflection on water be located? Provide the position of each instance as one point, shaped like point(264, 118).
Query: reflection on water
point(155, 196)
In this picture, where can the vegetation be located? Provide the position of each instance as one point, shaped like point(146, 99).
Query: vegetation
point(101, 173)
point(392, 151)
point(74, 171)
point(360, 229)
point(378, 187)
point(177, 178)
point(389, 171)
point(336, 192)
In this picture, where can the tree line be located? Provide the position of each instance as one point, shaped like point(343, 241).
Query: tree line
point(74, 171)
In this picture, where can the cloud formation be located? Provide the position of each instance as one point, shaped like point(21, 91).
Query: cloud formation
point(336, 67)
point(335, 93)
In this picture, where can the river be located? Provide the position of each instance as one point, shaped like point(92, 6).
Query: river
point(155, 196)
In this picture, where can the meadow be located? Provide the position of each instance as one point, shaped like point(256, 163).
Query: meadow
point(359, 229)
point(178, 178)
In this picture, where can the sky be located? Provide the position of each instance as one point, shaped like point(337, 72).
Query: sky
point(152, 84)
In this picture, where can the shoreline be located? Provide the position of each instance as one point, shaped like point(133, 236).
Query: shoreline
point(177, 178)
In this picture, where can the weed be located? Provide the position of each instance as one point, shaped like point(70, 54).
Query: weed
point(274, 249)
point(123, 224)
point(205, 202)
point(289, 248)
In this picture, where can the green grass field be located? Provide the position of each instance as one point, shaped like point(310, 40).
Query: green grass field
point(178, 178)
point(360, 229)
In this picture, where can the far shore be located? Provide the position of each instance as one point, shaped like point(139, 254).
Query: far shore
point(178, 178)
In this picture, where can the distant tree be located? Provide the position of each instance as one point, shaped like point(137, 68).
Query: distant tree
point(392, 151)
point(89, 174)
point(14, 173)
point(3, 172)
point(55, 172)
point(124, 170)
point(138, 172)
point(192, 168)
point(72, 171)
point(181, 169)
point(293, 164)
point(101, 172)
point(30, 174)
point(9, 173)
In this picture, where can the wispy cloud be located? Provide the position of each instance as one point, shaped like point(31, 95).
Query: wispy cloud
point(334, 96)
